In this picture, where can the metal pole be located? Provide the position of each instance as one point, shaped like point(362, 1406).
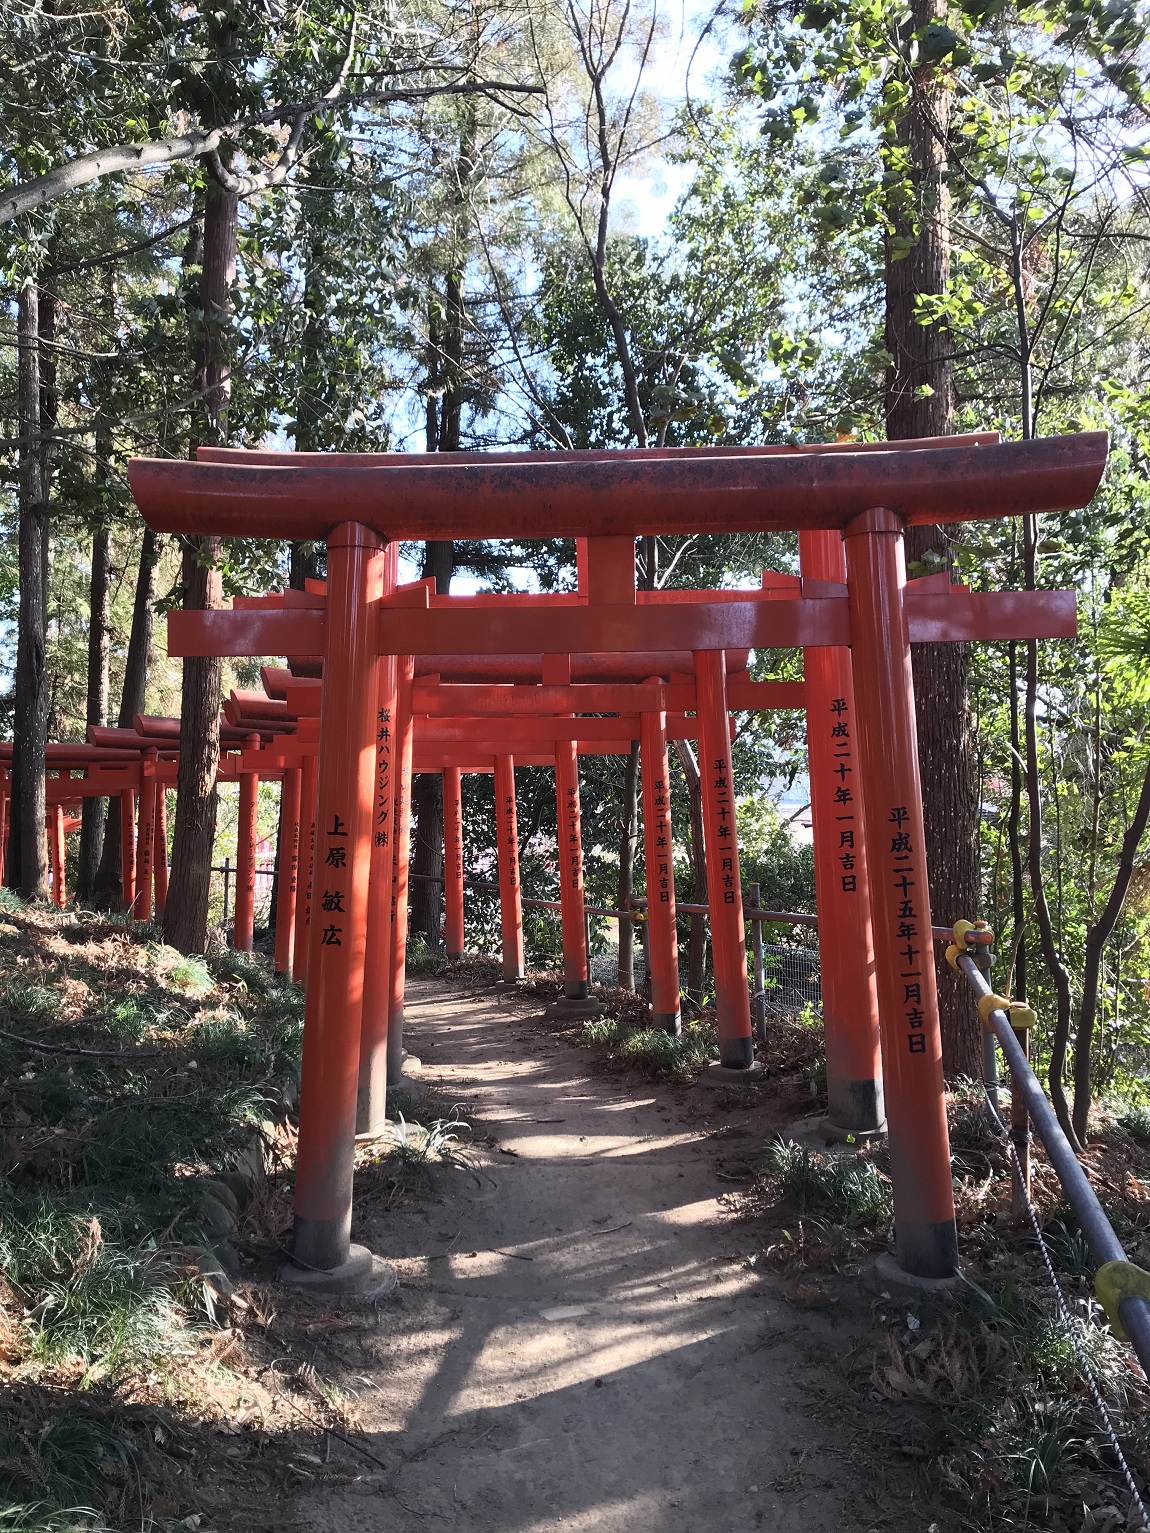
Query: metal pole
point(979, 939)
point(227, 885)
point(721, 840)
point(842, 889)
point(759, 1000)
point(1104, 1243)
point(1019, 1132)
point(926, 1238)
point(325, 1158)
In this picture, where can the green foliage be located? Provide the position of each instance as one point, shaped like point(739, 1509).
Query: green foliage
point(1135, 1119)
point(417, 1146)
point(846, 1187)
point(190, 976)
point(658, 1053)
point(86, 1298)
point(651, 1051)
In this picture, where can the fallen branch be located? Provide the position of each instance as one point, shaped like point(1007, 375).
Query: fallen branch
point(67, 1048)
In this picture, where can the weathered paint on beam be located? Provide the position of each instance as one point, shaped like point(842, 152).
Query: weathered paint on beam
point(552, 495)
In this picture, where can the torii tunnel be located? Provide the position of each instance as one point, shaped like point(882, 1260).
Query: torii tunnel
point(851, 611)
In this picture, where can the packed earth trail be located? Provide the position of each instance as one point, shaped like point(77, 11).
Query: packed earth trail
point(579, 1338)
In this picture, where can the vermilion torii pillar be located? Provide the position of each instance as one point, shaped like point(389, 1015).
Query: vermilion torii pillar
point(724, 885)
point(569, 829)
point(307, 790)
point(510, 893)
point(160, 854)
point(338, 935)
point(925, 1234)
point(371, 1101)
point(401, 864)
point(287, 873)
point(662, 931)
point(57, 846)
point(141, 906)
point(243, 928)
point(849, 994)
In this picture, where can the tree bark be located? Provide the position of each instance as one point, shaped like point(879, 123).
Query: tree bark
point(1018, 972)
point(920, 402)
point(189, 886)
point(96, 712)
point(27, 868)
point(108, 888)
point(1097, 937)
point(1047, 942)
point(628, 843)
point(444, 432)
point(303, 560)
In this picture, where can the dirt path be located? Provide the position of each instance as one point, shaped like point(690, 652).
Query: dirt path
point(579, 1340)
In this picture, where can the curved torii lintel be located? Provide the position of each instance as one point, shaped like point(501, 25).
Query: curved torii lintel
point(612, 494)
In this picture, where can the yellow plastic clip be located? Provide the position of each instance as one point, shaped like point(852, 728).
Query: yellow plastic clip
point(960, 929)
point(1115, 1281)
point(1021, 1016)
point(952, 953)
point(989, 1003)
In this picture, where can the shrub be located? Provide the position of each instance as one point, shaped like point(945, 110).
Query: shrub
point(848, 1187)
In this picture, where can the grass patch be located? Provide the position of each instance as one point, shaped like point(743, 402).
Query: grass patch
point(415, 1145)
point(1135, 1119)
point(849, 1188)
point(190, 976)
point(649, 1050)
point(424, 959)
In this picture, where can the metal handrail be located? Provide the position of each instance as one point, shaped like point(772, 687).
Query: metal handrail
point(1104, 1243)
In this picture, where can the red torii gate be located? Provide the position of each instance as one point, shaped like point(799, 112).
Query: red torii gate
point(868, 497)
point(452, 746)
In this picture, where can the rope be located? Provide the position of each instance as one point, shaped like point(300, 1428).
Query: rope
point(1084, 1363)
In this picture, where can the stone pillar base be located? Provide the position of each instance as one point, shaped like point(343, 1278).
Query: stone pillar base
point(363, 1274)
point(717, 1074)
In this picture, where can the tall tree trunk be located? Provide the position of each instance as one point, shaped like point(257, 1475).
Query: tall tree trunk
point(189, 886)
point(304, 562)
point(1018, 975)
point(92, 814)
point(628, 843)
point(1097, 936)
point(108, 888)
point(920, 402)
point(27, 868)
point(444, 428)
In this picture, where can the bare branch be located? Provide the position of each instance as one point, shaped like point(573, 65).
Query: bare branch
point(86, 168)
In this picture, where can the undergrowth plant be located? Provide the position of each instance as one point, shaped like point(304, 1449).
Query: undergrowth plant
point(651, 1051)
point(177, 1064)
point(847, 1187)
